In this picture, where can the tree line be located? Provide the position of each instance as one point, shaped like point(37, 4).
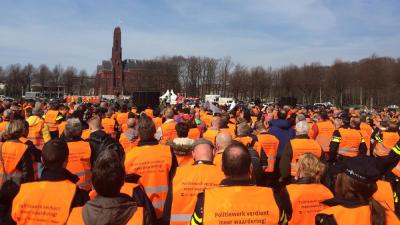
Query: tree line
point(369, 81)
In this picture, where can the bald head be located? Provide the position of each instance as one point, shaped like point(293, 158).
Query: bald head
point(222, 141)
point(203, 150)
point(236, 161)
point(94, 123)
point(216, 122)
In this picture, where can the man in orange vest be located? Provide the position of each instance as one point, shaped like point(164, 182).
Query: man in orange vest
point(52, 118)
point(167, 130)
point(213, 131)
point(294, 149)
point(129, 138)
point(236, 200)
point(323, 131)
point(154, 162)
point(38, 129)
point(79, 153)
point(189, 181)
point(41, 197)
point(385, 138)
point(117, 207)
point(109, 124)
point(222, 141)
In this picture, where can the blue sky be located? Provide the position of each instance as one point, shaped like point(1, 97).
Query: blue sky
point(253, 32)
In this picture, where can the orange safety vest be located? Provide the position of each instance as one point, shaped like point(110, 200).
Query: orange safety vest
point(187, 184)
point(126, 143)
point(384, 147)
point(301, 146)
point(86, 134)
point(358, 215)
point(122, 118)
point(211, 135)
point(207, 119)
point(127, 188)
point(350, 142)
point(157, 121)
point(325, 133)
point(269, 144)
point(384, 194)
point(239, 205)
point(184, 160)
point(35, 135)
point(79, 163)
point(194, 133)
point(61, 128)
point(76, 217)
point(152, 163)
point(218, 160)
point(247, 141)
point(367, 131)
point(3, 125)
point(306, 201)
point(12, 152)
point(108, 126)
point(168, 131)
point(37, 203)
point(51, 119)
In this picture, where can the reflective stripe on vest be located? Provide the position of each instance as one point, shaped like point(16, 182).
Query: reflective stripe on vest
point(384, 146)
point(35, 135)
point(324, 142)
point(350, 142)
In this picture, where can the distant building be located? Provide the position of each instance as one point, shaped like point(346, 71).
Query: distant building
point(129, 75)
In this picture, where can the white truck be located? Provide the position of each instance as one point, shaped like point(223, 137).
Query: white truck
point(225, 101)
point(212, 98)
point(32, 95)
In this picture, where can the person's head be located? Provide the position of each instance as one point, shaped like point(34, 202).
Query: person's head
point(73, 128)
point(7, 114)
point(260, 127)
point(55, 154)
point(223, 140)
point(393, 126)
point(169, 113)
point(146, 128)
point(282, 114)
point(203, 150)
point(37, 111)
point(302, 128)
point(182, 129)
point(216, 122)
point(357, 183)
point(236, 161)
point(310, 167)
point(243, 129)
point(131, 123)
point(355, 122)
point(109, 113)
point(323, 115)
point(14, 130)
point(108, 174)
point(94, 123)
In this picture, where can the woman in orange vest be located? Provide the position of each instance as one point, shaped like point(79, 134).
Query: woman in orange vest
point(129, 139)
point(305, 195)
point(354, 202)
point(182, 145)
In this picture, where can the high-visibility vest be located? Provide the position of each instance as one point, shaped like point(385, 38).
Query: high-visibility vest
point(61, 128)
point(350, 142)
point(240, 205)
point(152, 163)
point(157, 121)
point(124, 128)
point(108, 126)
point(358, 215)
point(211, 135)
point(184, 160)
point(122, 118)
point(127, 188)
point(35, 135)
point(247, 141)
point(149, 113)
point(126, 143)
point(218, 160)
point(325, 133)
point(86, 134)
point(188, 182)
point(269, 144)
point(384, 194)
point(367, 139)
point(306, 201)
point(383, 147)
point(232, 129)
point(301, 146)
point(43, 202)
point(79, 163)
point(12, 152)
point(3, 125)
point(207, 119)
point(168, 131)
point(51, 119)
point(194, 133)
point(76, 217)
point(366, 131)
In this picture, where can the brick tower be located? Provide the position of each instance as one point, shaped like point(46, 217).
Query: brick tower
point(116, 59)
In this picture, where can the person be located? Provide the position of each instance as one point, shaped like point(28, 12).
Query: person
point(366, 130)
point(167, 130)
point(323, 132)
point(182, 145)
point(38, 130)
point(7, 116)
point(154, 162)
point(213, 131)
point(304, 196)
point(294, 149)
point(129, 139)
point(109, 124)
point(281, 129)
point(243, 133)
point(237, 195)
point(79, 153)
point(122, 117)
point(189, 181)
point(41, 197)
point(223, 140)
point(110, 206)
point(52, 118)
point(384, 140)
point(353, 202)
point(347, 141)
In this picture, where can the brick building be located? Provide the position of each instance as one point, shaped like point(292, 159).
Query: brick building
point(130, 75)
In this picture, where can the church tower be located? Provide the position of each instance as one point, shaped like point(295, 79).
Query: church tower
point(116, 59)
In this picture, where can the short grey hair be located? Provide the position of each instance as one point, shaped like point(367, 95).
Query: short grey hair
point(73, 128)
point(302, 127)
point(202, 141)
point(7, 113)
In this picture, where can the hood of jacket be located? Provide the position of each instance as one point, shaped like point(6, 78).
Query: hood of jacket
point(182, 146)
point(33, 120)
point(109, 211)
point(282, 124)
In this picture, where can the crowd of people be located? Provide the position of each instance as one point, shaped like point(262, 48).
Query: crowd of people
point(110, 163)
